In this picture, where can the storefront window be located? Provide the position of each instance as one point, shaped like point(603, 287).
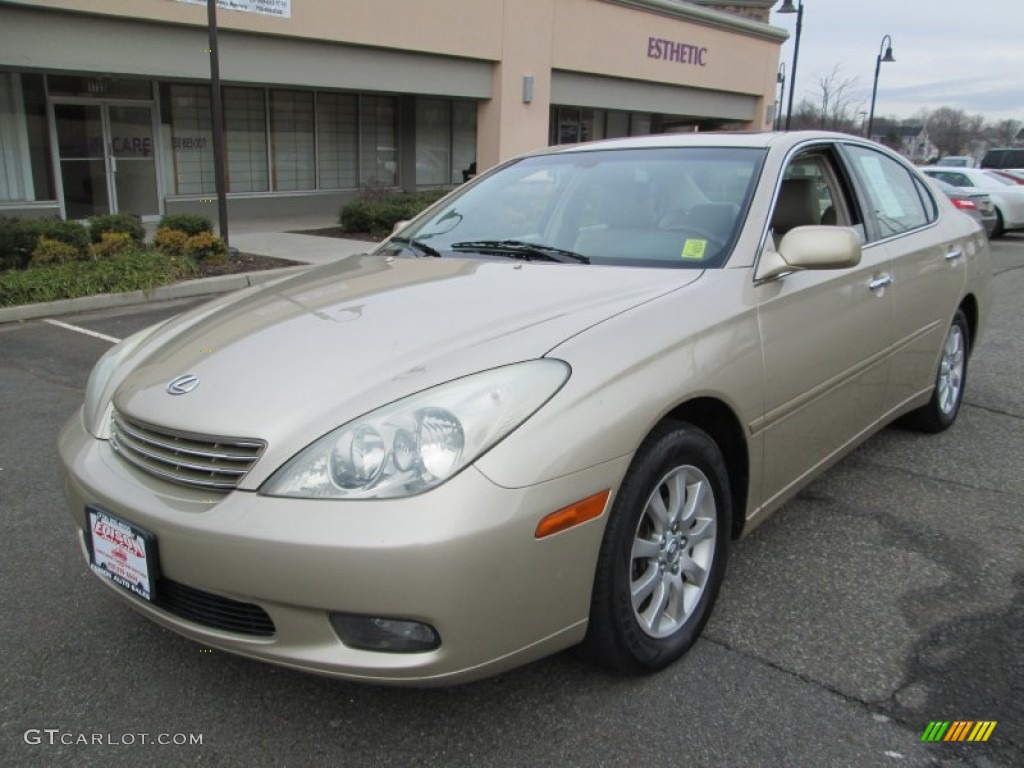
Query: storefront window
point(433, 141)
point(351, 139)
point(378, 144)
point(617, 125)
point(445, 141)
point(572, 125)
point(463, 140)
point(292, 140)
point(186, 116)
point(25, 163)
point(338, 139)
point(245, 129)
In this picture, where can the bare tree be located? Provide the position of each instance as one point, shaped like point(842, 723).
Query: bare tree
point(838, 107)
point(948, 129)
point(1004, 133)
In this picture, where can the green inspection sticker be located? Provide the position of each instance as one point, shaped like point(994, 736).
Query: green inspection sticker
point(694, 249)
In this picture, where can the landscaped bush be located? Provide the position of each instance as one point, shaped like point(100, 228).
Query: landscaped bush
point(142, 270)
point(125, 223)
point(189, 223)
point(49, 251)
point(378, 214)
point(114, 244)
point(170, 241)
point(19, 238)
point(205, 245)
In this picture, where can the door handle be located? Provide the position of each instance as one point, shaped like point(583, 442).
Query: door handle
point(880, 282)
point(954, 253)
point(113, 164)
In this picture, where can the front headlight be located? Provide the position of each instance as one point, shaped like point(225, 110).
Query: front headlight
point(419, 442)
point(100, 388)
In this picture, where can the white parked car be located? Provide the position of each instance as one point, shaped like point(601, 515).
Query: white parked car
point(1007, 196)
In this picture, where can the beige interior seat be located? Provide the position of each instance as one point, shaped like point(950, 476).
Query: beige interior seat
point(797, 206)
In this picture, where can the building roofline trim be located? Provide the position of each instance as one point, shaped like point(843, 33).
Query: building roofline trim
point(696, 13)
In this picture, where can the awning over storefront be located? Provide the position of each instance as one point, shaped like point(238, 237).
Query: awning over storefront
point(122, 46)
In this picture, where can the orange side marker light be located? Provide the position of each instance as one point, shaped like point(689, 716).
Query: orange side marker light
point(574, 514)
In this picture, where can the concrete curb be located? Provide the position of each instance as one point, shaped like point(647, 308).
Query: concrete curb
point(189, 288)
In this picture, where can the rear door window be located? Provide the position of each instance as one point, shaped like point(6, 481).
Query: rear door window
point(893, 194)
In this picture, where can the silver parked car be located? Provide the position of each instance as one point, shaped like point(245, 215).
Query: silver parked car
point(535, 417)
point(973, 201)
point(1007, 195)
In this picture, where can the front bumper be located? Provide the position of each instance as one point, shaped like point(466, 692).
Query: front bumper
point(461, 558)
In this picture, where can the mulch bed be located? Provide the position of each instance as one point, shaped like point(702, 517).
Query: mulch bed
point(337, 232)
point(243, 262)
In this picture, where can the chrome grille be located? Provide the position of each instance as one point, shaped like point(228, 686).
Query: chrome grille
point(203, 461)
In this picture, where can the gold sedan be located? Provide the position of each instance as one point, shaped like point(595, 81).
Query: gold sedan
point(535, 416)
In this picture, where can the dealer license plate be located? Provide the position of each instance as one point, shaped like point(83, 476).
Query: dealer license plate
point(122, 552)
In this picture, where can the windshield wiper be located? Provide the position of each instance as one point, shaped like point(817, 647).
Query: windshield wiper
point(418, 245)
point(520, 249)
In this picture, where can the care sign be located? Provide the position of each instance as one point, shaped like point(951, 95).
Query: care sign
point(280, 8)
point(121, 553)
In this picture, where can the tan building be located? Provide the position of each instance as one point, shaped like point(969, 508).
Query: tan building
point(104, 104)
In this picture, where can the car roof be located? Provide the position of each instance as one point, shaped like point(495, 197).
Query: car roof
point(708, 139)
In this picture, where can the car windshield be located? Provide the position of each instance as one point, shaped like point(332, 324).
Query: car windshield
point(658, 207)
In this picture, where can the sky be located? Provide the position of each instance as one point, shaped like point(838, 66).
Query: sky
point(967, 54)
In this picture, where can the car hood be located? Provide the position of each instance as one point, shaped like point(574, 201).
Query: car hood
point(288, 362)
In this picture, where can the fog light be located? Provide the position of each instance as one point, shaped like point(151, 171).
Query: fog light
point(373, 633)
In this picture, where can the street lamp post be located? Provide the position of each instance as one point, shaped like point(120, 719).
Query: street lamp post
point(886, 59)
point(780, 79)
point(218, 122)
point(787, 7)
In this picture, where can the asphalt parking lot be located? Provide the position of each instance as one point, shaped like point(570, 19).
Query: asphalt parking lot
point(889, 594)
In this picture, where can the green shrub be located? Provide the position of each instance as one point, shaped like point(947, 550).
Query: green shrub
point(378, 214)
point(205, 245)
point(356, 215)
point(49, 251)
point(170, 241)
point(10, 245)
point(125, 223)
point(140, 270)
point(19, 238)
point(189, 223)
point(114, 244)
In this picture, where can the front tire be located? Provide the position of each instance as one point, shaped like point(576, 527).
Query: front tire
point(941, 411)
point(664, 553)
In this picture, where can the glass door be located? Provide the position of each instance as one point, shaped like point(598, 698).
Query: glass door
point(107, 159)
point(82, 155)
point(132, 159)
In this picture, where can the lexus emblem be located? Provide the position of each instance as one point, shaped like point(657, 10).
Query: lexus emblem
point(183, 384)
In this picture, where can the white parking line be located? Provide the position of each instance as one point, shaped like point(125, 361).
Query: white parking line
point(86, 331)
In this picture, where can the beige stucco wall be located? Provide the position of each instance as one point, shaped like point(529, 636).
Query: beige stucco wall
point(515, 38)
point(615, 43)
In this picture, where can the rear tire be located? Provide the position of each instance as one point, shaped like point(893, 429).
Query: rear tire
point(664, 553)
point(941, 411)
point(1000, 228)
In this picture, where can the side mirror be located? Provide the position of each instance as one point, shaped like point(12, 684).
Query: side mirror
point(812, 247)
point(399, 225)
